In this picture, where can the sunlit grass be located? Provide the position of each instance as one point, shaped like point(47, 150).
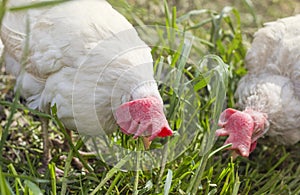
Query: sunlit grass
point(206, 67)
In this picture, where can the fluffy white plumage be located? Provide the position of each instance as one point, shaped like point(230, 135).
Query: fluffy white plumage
point(272, 85)
point(83, 56)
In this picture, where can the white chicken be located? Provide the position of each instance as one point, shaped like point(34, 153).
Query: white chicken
point(270, 93)
point(88, 60)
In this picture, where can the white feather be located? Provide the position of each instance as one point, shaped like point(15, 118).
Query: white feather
point(83, 56)
point(273, 81)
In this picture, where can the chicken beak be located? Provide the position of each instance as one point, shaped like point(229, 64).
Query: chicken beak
point(234, 155)
point(146, 142)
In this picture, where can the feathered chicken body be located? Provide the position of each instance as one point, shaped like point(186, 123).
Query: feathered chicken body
point(87, 59)
point(271, 87)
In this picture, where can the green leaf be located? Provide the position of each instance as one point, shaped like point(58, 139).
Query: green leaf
point(34, 189)
point(200, 82)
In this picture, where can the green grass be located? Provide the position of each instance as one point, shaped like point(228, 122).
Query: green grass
point(200, 51)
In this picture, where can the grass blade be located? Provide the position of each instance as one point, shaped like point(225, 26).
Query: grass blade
point(136, 178)
point(36, 5)
point(52, 171)
point(111, 173)
point(168, 182)
point(18, 183)
point(4, 187)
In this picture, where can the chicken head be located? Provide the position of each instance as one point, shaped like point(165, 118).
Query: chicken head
point(143, 117)
point(243, 129)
